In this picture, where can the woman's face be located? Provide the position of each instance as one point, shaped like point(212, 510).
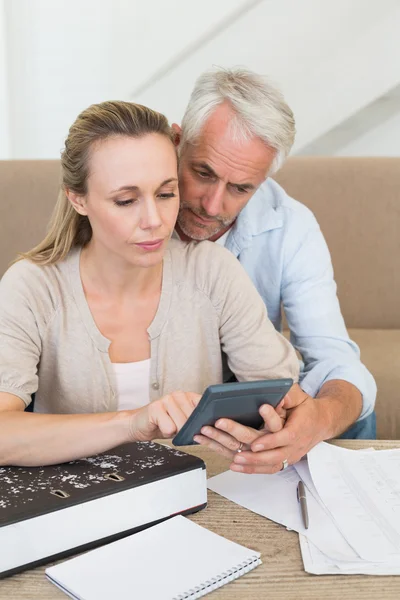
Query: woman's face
point(133, 198)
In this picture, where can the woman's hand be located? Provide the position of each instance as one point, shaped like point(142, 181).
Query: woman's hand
point(162, 418)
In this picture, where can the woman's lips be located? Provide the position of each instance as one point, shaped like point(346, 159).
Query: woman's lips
point(150, 245)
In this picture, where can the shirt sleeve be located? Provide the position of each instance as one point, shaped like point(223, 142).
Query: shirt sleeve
point(254, 349)
point(20, 340)
point(317, 328)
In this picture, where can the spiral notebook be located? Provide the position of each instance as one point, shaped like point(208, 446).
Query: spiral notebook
point(174, 560)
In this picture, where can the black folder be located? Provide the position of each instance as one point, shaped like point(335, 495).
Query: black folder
point(50, 512)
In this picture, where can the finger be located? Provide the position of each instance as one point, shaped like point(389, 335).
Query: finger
point(174, 410)
point(285, 437)
point(251, 469)
point(184, 402)
point(221, 437)
point(161, 419)
point(193, 398)
point(213, 445)
point(281, 410)
point(187, 401)
point(243, 434)
point(272, 420)
point(294, 397)
point(269, 458)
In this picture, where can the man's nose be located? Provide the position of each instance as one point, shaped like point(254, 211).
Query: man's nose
point(213, 201)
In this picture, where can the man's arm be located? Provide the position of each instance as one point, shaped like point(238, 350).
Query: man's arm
point(317, 328)
point(342, 403)
point(310, 421)
point(338, 387)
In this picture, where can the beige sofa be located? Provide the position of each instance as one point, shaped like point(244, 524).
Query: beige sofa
point(357, 203)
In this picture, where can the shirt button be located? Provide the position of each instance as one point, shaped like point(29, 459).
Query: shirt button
point(155, 385)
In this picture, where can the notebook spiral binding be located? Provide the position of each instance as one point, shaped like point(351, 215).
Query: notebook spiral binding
point(222, 579)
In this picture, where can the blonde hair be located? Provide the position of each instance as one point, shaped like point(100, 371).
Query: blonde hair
point(67, 228)
point(260, 109)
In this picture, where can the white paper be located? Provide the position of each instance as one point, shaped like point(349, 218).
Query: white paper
point(275, 497)
point(317, 563)
point(361, 490)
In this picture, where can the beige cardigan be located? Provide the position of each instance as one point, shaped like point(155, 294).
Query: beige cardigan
point(49, 342)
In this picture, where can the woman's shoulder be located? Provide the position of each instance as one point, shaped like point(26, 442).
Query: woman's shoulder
point(28, 273)
point(34, 283)
point(22, 273)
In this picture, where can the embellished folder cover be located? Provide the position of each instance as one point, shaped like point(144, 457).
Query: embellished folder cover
point(48, 512)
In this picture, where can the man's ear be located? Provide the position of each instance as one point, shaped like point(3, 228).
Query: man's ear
point(78, 202)
point(177, 133)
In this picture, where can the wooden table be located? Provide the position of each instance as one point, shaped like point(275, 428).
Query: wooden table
point(281, 576)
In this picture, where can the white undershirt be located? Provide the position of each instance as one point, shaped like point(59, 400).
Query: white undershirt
point(133, 379)
point(133, 384)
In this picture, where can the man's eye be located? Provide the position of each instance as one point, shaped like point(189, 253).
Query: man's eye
point(166, 196)
point(123, 202)
point(203, 174)
point(241, 190)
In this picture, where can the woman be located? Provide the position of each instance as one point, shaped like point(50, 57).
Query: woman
point(106, 319)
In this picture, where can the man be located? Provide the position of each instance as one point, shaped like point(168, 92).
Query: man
point(237, 129)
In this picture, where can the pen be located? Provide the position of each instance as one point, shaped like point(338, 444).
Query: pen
point(301, 497)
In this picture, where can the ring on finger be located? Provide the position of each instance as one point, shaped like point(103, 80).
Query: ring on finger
point(240, 447)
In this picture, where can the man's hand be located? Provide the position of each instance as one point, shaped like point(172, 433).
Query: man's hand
point(309, 422)
point(304, 428)
point(227, 437)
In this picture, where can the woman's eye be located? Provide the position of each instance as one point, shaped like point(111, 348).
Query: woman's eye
point(166, 196)
point(123, 202)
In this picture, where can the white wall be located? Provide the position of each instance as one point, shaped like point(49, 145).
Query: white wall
point(66, 54)
point(329, 57)
point(380, 141)
point(4, 132)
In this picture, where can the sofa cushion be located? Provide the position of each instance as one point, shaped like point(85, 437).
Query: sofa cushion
point(28, 194)
point(357, 204)
point(380, 352)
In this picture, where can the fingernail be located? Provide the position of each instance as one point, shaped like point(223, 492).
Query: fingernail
point(197, 439)
point(257, 447)
point(239, 459)
point(205, 430)
point(221, 424)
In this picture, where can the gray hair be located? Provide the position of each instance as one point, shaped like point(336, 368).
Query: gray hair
point(260, 108)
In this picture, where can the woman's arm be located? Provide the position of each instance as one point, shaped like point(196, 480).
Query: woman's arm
point(29, 439)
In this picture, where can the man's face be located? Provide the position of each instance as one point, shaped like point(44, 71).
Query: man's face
point(217, 177)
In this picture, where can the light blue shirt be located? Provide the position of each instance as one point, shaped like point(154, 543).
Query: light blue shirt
point(279, 243)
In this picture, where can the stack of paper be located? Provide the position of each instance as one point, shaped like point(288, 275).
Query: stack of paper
point(353, 500)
